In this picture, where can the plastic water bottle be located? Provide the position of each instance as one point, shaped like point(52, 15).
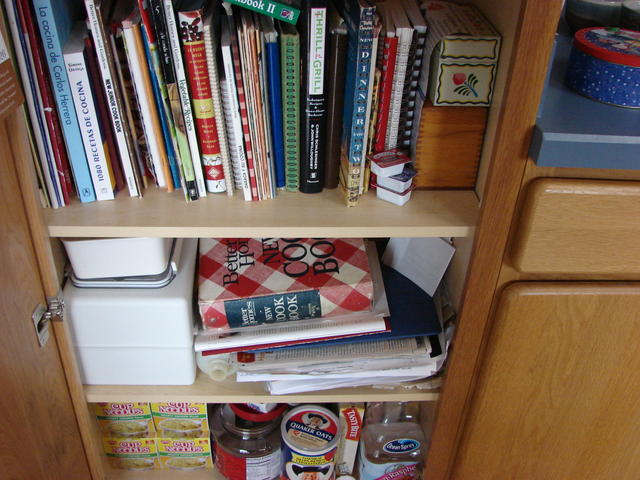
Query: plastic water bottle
point(392, 443)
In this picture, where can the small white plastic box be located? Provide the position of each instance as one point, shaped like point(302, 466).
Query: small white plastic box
point(399, 198)
point(117, 257)
point(136, 336)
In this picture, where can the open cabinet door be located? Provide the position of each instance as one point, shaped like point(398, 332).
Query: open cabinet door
point(40, 436)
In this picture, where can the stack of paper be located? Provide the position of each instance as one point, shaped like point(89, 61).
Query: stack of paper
point(333, 366)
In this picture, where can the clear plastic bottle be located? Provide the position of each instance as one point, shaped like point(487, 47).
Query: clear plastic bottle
point(392, 443)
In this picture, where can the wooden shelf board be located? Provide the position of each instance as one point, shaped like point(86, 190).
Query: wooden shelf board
point(441, 213)
point(206, 390)
point(113, 474)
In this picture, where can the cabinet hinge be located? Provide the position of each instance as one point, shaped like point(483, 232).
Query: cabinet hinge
point(42, 316)
point(55, 311)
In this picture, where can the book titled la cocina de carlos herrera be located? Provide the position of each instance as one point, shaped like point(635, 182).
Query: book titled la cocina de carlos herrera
point(251, 281)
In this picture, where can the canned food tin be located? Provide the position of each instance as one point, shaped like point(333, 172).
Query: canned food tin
point(605, 65)
point(309, 442)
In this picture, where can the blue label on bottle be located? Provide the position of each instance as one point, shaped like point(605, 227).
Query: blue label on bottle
point(401, 445)
point(276, 308)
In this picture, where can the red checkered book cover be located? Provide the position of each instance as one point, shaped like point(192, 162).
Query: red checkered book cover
point(250, 281)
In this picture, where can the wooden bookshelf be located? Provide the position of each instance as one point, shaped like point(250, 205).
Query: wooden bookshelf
point(206, 390)
point(441, 213)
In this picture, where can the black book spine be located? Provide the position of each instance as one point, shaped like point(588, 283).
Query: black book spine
point(337, 59)
point(313, 113)
point(162, 39)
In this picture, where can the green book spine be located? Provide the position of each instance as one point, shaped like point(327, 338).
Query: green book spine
point(290, 67)
point(277, 10)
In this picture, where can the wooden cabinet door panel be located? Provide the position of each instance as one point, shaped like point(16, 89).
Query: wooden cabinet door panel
point(559, 386)
point(39, 436)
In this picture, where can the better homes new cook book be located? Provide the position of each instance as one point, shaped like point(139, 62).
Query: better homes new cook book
point(251, 281)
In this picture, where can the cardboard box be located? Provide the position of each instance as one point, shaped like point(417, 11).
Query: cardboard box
point(180, 419)
point(185, 454)
point(351, 418)
point(125, 419)
point(131, 453)
point(460, 56)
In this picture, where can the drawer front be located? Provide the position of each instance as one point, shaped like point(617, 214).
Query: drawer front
point(584, 227)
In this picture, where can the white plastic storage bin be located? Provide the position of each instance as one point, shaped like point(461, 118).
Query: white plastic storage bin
point(117, 257)
point(136, 336)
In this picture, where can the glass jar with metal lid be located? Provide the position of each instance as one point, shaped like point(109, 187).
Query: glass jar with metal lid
point(246, 442)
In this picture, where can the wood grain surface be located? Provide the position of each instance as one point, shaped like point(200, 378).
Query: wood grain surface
point(558, 395)
point(588, 227)
point(448, 146)
point(40, 437)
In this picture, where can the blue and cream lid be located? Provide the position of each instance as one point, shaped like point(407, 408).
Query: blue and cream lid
point(610, 44)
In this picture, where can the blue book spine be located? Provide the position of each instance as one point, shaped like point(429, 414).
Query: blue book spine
point(168, 142)
point(360, 22)
point(275, 106)
point(55, 19)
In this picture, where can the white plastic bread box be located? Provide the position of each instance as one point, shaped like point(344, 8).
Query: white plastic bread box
point(136, 336)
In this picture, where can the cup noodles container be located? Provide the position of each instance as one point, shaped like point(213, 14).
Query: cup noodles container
point(605, 65)
point(389, 163)
point(185, 454)
point(309, 442)
point(125, 419)
point(137, 454)
point(351, 416)
point(180, 419)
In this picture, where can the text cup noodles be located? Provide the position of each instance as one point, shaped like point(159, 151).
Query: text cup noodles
point(185, 453)
point(131, 453)
point(180, 419)
point(310, 439)
point(125, 419)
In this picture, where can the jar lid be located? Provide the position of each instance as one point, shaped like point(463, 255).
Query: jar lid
point(244, 411)
point(611, 44)
point(310, 429)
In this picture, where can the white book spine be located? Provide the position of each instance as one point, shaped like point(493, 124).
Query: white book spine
point(236, 122)
point(144, 101)
point(404, 45)
point(36, 121)
point(89, 124)
point(185, 99)
point(237, 177)
point(214, 80)
point(108, 84)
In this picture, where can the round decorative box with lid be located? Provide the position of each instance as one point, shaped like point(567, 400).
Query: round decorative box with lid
point(605, 65)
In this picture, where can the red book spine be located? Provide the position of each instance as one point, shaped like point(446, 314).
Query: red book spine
point(386, 86)
point(195, 59)
point(235, 51)
point(146, 21)
point(48, 102)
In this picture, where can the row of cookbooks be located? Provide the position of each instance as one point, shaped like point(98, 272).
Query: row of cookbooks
point(207, 96)
point(312, 314)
